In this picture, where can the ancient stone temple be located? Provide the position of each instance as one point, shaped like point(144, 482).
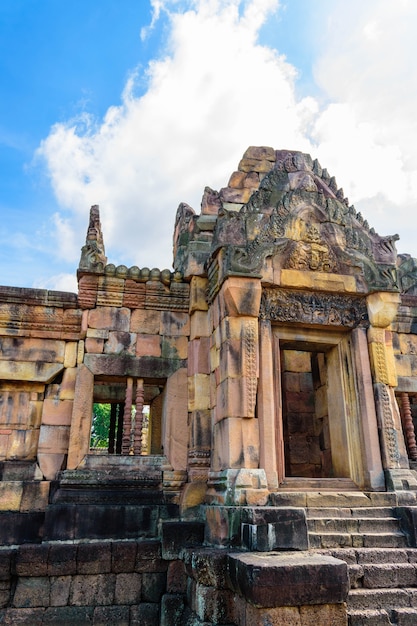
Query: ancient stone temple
point(231, 442)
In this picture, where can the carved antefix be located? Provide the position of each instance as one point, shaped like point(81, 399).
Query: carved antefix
point(281, 305)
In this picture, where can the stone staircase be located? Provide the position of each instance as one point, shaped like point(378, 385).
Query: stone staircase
point(382, 568)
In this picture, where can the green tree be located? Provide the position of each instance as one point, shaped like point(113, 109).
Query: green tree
point(100, 426)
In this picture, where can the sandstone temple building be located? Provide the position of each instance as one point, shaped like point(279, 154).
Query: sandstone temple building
point(258, 463)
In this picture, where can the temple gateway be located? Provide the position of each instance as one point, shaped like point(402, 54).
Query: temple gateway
point(231, 442)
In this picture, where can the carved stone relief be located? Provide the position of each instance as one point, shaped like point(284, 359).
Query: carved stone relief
point(281, 305)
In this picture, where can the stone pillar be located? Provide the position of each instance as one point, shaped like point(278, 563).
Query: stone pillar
point(266, 405)
point(236, 476)
point(199, 418)
point(79, 442)
point(382, 309)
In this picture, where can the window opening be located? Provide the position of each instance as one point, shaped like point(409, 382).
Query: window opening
point(127, 417)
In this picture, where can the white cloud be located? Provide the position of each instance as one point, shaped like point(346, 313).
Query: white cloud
point(216, 90)
point(367, 133)
point(214, 93)
point(59, 282)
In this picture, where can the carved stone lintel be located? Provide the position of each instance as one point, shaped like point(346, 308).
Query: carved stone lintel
point(281, 305)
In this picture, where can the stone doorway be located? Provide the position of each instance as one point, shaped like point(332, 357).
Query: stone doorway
point(320, 416)
point(305, 414)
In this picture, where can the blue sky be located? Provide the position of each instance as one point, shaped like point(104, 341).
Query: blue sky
point(138, 105)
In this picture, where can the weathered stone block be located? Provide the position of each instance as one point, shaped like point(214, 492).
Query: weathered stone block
point(92, 590)
point(128, 588)
point(296, 361)
point(50, 463)
point(120, 343)
point(57, 412)
point(198, 289)
point(199, 356)
point(207, 566)
point(22, 445)
point(124, 556)
point(255, 165)
point(70, 357)
point(32, 349)
point(62, 559)
point(145, 614)
point(174, 324)
point(148, 345)
point(198, 392)
point(67, 387)
point(31, 592)
point(236, 444)
point(267, 529)
point(146, 322)
point(54, 439)
point(260, 153)
point(329, 614)
point(7, 558)
point(174, 347)
point(31, 617)
point(148, 557)
point(199, 325)
point(32, 560)
point(176, 577)
point(240, 296)
point(235, 195)
point(110, 318)
point(153, 586)
point(5, 589)
point(10, 495)
point(172, 610)
point(277, 579)
point(60, 589)
point(279, 616)
point(105, 615)
point(67, 615)
point(177, 536)
point(94, 558)
point(214, 604)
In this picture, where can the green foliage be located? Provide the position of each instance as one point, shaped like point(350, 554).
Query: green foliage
point(100, 426)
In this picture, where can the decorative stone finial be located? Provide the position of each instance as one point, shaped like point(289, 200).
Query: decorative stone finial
point(93, 257)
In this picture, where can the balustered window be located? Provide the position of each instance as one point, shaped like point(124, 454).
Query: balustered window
point(126, 417)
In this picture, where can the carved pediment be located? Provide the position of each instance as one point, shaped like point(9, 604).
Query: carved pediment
point(288, 209)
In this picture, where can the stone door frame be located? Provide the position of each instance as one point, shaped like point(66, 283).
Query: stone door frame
point(354, 436)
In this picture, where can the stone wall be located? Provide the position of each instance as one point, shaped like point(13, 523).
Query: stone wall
point(167, 583)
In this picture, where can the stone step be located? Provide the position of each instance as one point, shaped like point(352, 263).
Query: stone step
point(369, 617)
point(342, 500)
point(373, 555)
point(388, 599)
point(386, 575)
point(382, 617)
point(357, 540)
point(353, 525)
point(335, 512)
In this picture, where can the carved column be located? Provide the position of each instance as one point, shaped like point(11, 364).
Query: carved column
point(408, 426)
point(138, 431)
point(236, 476)
point(127, 417)
point(382, 309)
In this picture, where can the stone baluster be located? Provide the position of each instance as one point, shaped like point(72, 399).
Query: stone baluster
point(112, 428)
point(127, 417)
point(137, 437)
point(408, 426)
